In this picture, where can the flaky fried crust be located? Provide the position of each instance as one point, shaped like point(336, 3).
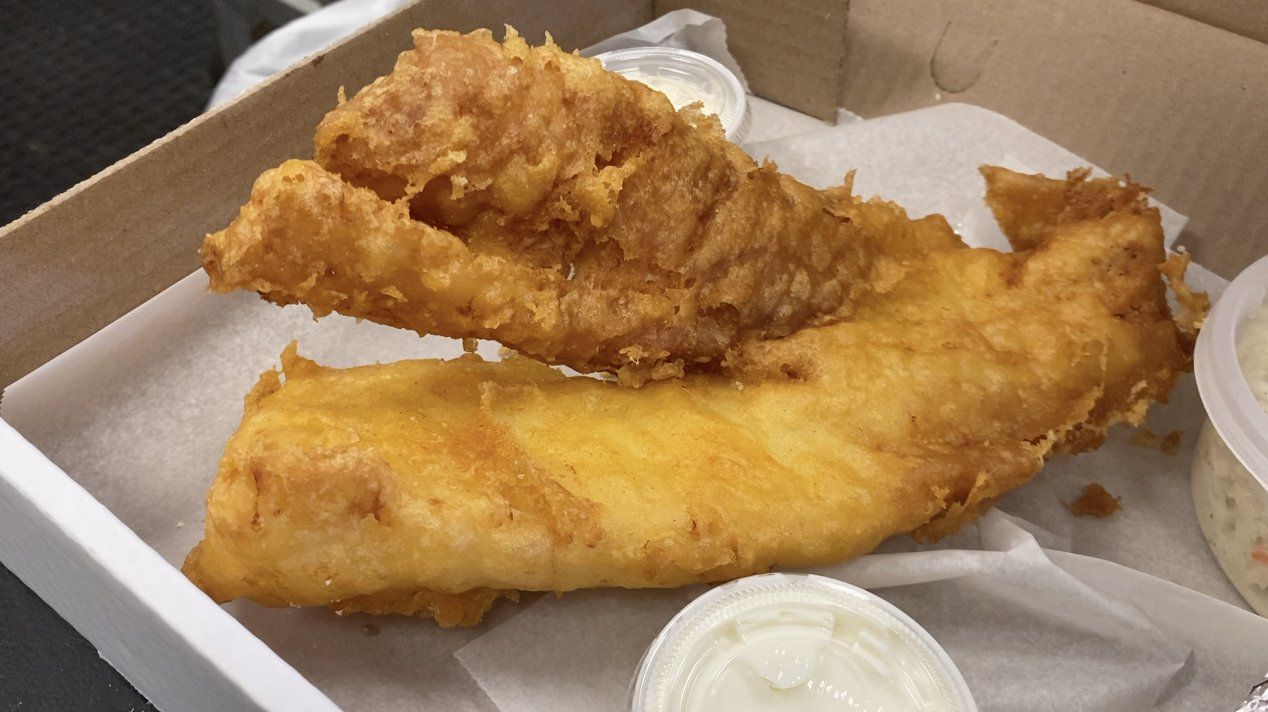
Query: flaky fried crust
point(957, 375)
point(623, 235)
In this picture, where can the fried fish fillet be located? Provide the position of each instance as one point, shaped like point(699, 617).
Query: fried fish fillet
point(432, 487)
point(621, 233)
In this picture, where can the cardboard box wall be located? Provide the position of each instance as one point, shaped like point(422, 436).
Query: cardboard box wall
point(1134, 87)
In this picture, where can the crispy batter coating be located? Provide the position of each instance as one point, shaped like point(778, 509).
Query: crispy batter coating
point(622, 234)
point(1028, 210)
point(962, 369)
point(308, 237)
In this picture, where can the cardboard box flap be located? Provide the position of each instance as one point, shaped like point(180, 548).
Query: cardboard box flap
point(1089, 75)
point(78, 262)
point(792, 51)
point(1248, 18)
point(1177, 103)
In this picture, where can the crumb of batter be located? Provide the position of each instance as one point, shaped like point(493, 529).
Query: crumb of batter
point(1094, 501)
point(1145, 437)
point(1171, 443)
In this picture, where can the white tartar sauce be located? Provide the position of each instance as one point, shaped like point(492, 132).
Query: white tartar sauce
point(679, 92)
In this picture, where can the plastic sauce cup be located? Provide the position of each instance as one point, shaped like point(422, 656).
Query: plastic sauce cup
point(686, 77)
point(795, 642)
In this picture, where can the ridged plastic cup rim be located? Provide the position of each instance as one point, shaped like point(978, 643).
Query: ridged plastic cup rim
point(669, 647)
point(734, 105)
point(1230, 403)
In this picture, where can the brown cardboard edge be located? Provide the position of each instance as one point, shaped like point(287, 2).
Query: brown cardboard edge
point(1091, 75)
point(1248, 18)
point(113, 241)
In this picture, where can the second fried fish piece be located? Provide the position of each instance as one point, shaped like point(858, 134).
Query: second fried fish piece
point(307, 237)
point(626, 235)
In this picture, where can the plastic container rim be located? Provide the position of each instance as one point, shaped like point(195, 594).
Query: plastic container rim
point(1230, 405)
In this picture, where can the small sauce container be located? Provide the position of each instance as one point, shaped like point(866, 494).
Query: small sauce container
point(686, 77)
point(1230, 464)
point(795, 642)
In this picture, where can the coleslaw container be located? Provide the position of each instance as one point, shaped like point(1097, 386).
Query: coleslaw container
point(1230, 464)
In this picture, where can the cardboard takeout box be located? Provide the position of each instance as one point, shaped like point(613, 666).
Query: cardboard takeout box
point(1174, 91)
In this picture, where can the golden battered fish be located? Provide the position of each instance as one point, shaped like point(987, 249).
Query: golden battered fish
point(432, 487)
point(620, 233)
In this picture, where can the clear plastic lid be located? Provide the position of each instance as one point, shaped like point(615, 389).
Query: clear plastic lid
point(686, 77)
point(796, 641)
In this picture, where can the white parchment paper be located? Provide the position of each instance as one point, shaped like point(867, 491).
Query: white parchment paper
point(1031, 629)
point(1041, 611)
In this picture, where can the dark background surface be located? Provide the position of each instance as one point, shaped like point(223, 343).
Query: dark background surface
point(83, 83)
